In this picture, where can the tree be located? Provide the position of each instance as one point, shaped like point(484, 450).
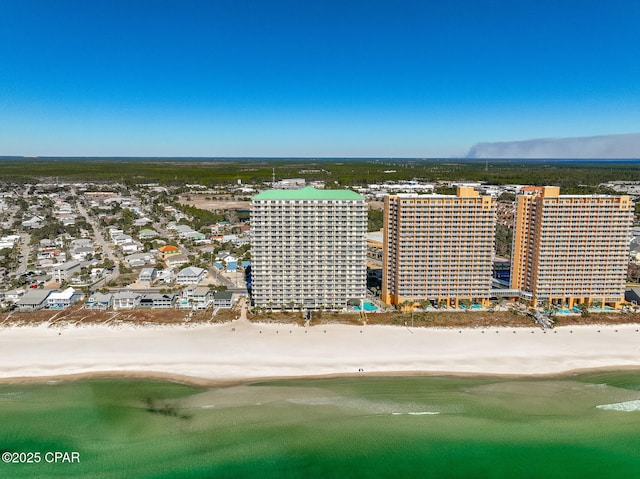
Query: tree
point(584, 310)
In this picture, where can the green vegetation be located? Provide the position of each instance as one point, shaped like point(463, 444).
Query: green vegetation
point(200, 218)
point(572, 176)
point(375, 220)
point(504, 238)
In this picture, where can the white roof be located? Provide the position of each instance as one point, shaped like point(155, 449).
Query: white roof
point(58, 295)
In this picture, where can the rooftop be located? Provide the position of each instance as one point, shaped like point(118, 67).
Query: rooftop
point(308, 193)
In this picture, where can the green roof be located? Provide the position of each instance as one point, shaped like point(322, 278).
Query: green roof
point(308, 193)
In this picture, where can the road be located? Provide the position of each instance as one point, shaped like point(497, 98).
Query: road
point(25, 249)
point(97, 233)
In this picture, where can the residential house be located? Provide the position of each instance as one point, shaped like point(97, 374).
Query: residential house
point(14, 295)
point(165, 276)
point(81, 253)
point(194, 235)
point(157, 301)
point(97, 273)
point(176, 260)
point(63, 299)
point(196, 297)
point(121, 239)
point(191, 275)
point(34, 222)
point(131, 248)
point(140, 259)
point(125, 300)
point(147, 275)
point(147, 234)
point(142, 221)
point(81, 243)
point(99, 301)
point(168, 250)
point(65, 271)
point(33, 300)
point(223, 299)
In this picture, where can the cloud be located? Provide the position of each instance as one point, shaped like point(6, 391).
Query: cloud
point(600, 147)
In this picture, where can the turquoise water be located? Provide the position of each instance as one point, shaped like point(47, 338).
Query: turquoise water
point(572, 427)
point(367, 307)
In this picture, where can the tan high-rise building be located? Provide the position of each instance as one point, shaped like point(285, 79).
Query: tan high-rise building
point(438, 248)
point(568, 249)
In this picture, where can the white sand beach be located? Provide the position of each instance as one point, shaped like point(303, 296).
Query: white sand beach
point(241, 350)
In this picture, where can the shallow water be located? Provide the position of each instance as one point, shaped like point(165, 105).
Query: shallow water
point(577, 426)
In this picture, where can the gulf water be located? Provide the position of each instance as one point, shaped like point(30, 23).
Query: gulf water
point(569, 427)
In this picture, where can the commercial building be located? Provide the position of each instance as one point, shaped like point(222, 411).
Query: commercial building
point(570, 249)
point(308, 248)
point(438, 248)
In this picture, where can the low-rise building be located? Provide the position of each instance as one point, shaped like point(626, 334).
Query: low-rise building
point(33, 300)
point(196, 297)
point(65, 271)
point(147, 275)
point(223, 299)
point(191, 275)
point(140, 259)
point(63, 299)
point(99, 301)
point(176, 260)
point(157, 301)
point(125, 300)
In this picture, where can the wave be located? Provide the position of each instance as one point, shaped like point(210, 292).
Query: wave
point(365, 405)
point(626, 406)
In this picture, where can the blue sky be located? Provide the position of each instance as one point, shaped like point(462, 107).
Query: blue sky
point(311, 78)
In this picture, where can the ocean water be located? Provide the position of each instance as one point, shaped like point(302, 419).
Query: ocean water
point(442, 427)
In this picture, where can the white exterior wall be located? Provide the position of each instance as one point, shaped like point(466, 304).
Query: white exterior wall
point(308, 253)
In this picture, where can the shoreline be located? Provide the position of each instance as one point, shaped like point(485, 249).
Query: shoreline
point(213, 383)
point(241, 352)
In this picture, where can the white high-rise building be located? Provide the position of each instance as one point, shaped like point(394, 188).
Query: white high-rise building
point(308, 248)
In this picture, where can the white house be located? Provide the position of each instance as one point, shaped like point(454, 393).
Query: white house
point(223, 299)
point(147, 275)
point(196, 297)
point(125, 300)
point(80, 253)
point(34, 222)
point(65, 271)
point(131, 248)
point(191, 275)
point(63, 299)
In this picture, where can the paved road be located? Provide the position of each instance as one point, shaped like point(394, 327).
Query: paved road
point(25, 249)
point(97, 233)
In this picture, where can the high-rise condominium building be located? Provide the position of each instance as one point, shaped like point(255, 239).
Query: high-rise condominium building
point(438, 248)
point(308, 248)
point(568, 249)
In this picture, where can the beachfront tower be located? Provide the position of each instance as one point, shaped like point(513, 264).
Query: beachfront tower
point(570, 249)
point(308, 248)
point(438, 248)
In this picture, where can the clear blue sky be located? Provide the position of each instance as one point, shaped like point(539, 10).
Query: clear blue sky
point(423, 78)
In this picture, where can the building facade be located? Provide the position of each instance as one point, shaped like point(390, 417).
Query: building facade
point(569, 249)
point(438, 248)
point(308, 248)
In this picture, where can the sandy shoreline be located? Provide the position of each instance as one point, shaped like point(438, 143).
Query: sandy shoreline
point(219, 354)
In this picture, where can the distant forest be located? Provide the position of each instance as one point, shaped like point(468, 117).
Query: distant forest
point(574, 177)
